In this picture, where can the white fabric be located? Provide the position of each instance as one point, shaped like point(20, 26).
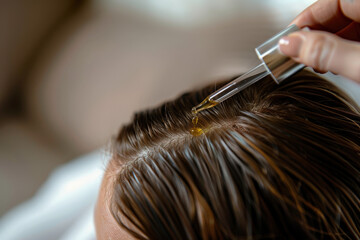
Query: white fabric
point(63, 208)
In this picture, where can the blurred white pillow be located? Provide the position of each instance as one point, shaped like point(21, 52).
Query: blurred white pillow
point(63, 207)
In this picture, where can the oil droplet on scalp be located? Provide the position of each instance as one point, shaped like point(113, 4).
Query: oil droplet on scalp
point(195, 131)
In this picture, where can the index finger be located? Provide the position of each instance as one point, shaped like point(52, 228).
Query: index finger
point(328, 15)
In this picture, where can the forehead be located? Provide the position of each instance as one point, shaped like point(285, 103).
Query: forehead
point(106, 226)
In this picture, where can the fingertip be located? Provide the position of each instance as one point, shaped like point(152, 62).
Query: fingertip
point(290, 45)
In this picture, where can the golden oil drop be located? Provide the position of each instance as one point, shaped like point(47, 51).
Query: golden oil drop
point(195, 130)
point(207, 103)
point(195, 120)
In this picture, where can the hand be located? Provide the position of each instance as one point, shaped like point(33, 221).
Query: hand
point(334, 42)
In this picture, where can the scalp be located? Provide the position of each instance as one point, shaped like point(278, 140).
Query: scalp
point(273, 160)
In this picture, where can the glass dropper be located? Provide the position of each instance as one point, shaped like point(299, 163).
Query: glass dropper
point(233, 88)
point(274, 63)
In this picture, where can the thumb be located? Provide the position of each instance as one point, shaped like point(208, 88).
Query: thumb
point(324, 52)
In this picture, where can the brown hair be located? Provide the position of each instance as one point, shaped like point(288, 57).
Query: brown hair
point(275, 162)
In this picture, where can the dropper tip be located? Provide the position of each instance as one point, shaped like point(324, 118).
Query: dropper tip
point(194, 110)
point(207, 103)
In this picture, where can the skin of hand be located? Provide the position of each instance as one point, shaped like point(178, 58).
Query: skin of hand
point(333, 44)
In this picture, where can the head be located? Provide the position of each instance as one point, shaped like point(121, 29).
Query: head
point(274, 162)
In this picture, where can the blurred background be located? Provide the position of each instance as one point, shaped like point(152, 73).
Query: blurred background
point(72, 72)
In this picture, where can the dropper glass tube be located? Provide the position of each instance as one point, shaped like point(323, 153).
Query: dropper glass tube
point(233, 87)
point(274, 63)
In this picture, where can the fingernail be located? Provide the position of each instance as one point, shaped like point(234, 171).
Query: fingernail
point(290, 45)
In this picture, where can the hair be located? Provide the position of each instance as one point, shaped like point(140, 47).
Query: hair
point(274, 162)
